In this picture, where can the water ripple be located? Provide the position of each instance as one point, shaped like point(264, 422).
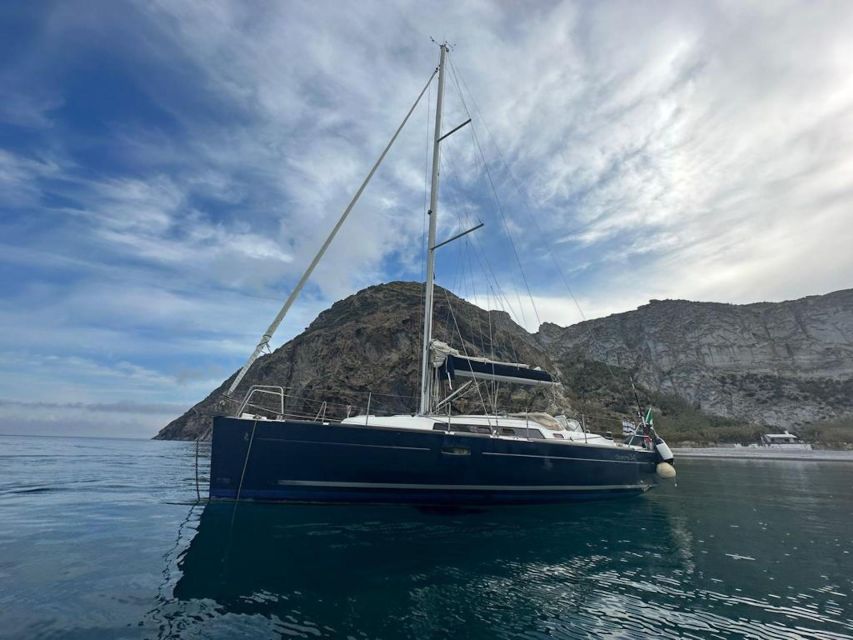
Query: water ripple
point(97, 541)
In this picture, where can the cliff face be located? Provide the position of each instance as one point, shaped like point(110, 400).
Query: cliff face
point(780, 364)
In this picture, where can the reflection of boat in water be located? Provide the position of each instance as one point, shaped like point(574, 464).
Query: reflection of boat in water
point(395, 571)
point(701, 561)
point(432, 456)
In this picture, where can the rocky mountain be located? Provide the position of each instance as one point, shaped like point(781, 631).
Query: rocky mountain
point(777, 364)
point(367, 348)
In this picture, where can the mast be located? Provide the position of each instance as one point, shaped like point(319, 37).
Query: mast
point(426, 367)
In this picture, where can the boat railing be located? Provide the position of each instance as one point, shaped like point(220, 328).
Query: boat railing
point(288, 403)
point(282, 403)
point(263, 390)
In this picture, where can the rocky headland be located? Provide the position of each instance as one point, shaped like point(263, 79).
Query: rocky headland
point(718, 372)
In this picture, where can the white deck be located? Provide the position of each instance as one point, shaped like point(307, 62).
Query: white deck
point(505, 427)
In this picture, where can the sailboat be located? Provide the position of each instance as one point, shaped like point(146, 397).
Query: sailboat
point(432, 456)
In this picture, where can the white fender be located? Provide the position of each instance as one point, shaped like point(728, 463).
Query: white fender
point(665, 470)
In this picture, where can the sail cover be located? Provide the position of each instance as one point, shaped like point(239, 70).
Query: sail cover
point(452, 364)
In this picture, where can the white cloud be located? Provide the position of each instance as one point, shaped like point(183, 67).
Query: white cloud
point(19, 178)
point(681, 150)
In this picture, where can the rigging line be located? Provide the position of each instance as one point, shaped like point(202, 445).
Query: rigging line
point(461, 211)
point(464, 219)
point(494, 383)
point(268, 334)
point(469, 268)
point(501, 297)
point(455, 285)
point(465, 351)
point(455, 208)
point(485, 350)
point(458, 282)
point(477, 314)
point(517, 185)
point(481, 257)
point(469, 271)
point(511, 240)
point(502, 301)
point(487, 270)
point(484, 261)
point(494, 191)
point(242, 477)
point(519, 317)
point(488, 309)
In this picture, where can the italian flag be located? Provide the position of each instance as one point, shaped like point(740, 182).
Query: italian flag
point(649, 418)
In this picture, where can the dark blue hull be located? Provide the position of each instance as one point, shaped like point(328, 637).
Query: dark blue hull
point(293, 461)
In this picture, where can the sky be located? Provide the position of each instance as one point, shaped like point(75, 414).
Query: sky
point(168, 169)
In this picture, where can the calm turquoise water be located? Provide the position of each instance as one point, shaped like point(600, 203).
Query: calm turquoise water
point(99, 539)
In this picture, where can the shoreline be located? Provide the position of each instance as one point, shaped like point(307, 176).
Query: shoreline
point(754, 453)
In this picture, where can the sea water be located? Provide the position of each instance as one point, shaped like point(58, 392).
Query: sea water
point(103, 538)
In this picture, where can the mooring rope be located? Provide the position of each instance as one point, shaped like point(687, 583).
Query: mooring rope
point(246, 460)
point(243, 474)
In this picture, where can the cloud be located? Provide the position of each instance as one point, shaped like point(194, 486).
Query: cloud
point(169, 168)
point(19, 177)
point(160, 409)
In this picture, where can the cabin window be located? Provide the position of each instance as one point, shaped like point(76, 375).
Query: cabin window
point(439, 426)
point(522, 432)
point(470, 428)
point(558, 436)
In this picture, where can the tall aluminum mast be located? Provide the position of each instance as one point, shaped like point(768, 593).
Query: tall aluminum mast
point(426, 365)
